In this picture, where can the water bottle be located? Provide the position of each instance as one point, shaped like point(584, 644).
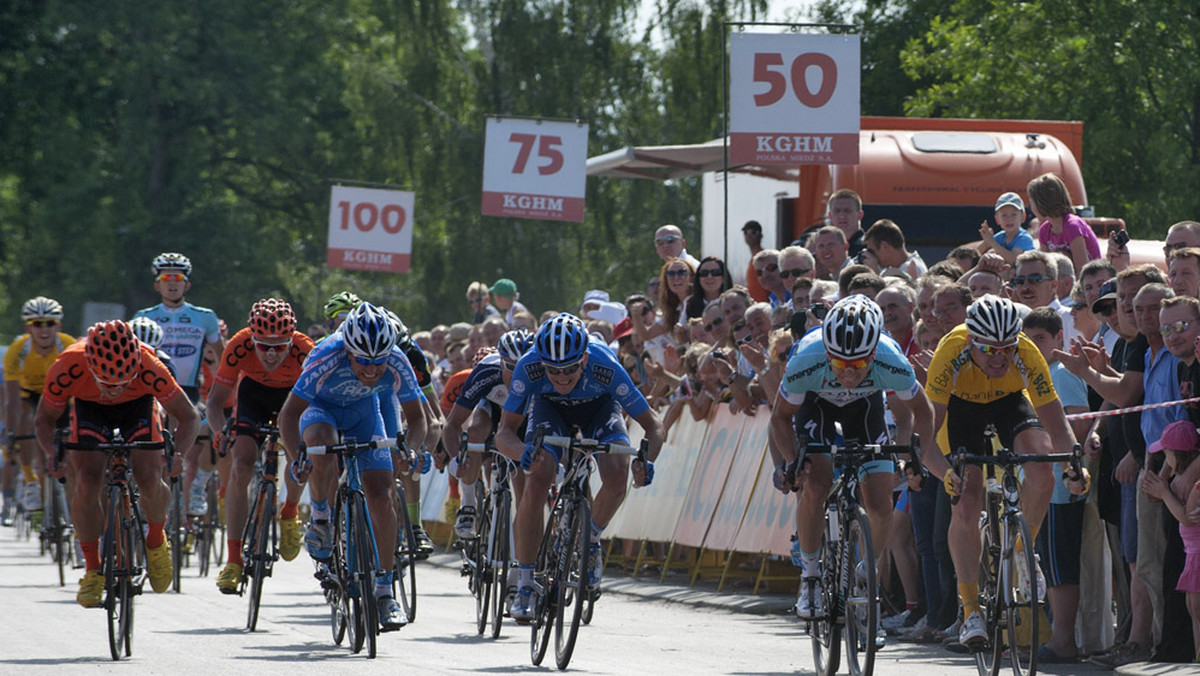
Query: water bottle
point(797, 558)
point(832, 532)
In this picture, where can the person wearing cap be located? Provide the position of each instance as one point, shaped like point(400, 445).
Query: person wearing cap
point(752, 233)
point(504, 296)
point(669, 243)
point(1012, 238)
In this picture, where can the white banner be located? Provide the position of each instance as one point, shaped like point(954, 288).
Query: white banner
point(794, 99)
point(535, 169)
point(370, 229)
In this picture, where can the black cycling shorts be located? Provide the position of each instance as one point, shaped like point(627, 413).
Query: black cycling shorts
point(862, 420)
point(95, 422)
point(965, 421)
point(258, 404)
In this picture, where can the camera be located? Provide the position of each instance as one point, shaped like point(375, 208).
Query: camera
point(1120, 238)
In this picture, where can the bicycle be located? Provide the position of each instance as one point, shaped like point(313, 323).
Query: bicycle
point(488, 557)
point(349, 581)
point(1008, 564)
point(57, 533)
point(176, 531)
point(208, 529)
point(123, 554)
point(22, 519)
point(408, 549)
point(560, 577)
point(260, 533)
point(849, 589)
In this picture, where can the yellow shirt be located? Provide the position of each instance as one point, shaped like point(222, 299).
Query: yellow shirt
point(23, 364)
point(953, 372)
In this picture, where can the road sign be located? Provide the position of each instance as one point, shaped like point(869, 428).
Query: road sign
point(370, 229)
point(535, 169)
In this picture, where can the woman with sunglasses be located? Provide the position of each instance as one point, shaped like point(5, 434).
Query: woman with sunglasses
point(839, 374)
point(262, 362)
point(335, 396)
point(675, 287)
point(711, 280)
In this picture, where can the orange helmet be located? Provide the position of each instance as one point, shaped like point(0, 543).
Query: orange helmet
point(272, 318)
point(113, 352)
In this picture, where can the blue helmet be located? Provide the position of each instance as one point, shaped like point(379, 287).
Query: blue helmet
point(562, 340)
point(369, 332)
point(514, 344)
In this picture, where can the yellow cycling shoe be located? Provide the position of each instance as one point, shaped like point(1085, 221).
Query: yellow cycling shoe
point(291, 535)
point(158, 567)
point(91, 589)
point(188, 543)
point(230, 578)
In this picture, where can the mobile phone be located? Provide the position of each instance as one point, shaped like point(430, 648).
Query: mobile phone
point(1120, 237)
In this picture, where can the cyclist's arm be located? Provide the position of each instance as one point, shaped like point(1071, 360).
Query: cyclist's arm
point(1062, 439)
point(919, 420)
point(452, 430)
point(45, 421)
point(216, 406)
point(649, 421)
point(508, 441)
point(414, 417)
point(782, 436)
point(12, 405)
point(433, 422)
point(181, 409)
point(289, 423)
point(936, 461)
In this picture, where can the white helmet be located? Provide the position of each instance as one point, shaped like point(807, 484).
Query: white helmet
point(41, 308)
point(172, 261)
point(852, 327)
point(148, 331)
point(994, 319)
point(369, 332)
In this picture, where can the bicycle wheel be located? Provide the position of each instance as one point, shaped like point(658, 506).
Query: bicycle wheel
point(481, 570)
point(498, 559)
point(1018, 580)
point(258, 565)
point(332, 581)
point(216, 524)
point(861, 595)
point(135, 546)
point(113, 561)
point(826, 632)
point(573, 580)
point(545, 583)
point(406, 559)
point(176, 532)
point(367, 563)
point(57, 532)
point(988, 661)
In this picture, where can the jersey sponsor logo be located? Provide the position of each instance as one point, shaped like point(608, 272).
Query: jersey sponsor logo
point(518, 387)
point(350, 389)
point(498, 394)
point(59, 385)
point(602, 374)
point(181, 351)
point(184, 319)
point(157, 383)
point(535, 371)
point(622, 390)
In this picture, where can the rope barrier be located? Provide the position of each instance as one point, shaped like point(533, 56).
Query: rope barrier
point(1130, 409)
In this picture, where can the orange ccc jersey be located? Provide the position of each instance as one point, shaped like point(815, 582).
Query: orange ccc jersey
point(239, 359)
point(70, 377)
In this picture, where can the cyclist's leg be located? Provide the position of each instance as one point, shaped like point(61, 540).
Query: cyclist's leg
point(813, 422)
point(381, 501)
point(479, 429)
point(608, 425)
point(864, 421)
point(318, 427)
point(244, 451)
point(29, 453)
point(964, 422)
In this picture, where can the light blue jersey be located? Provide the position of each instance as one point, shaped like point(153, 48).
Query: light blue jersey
point(808, 370)
point(185, 331)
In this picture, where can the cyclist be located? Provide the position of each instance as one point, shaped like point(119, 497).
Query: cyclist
point(839, 374)
point(479, 406)
point(111, 381)
point(25, 365)
point(987, 371)
point(187, 329)
point(150, 333)
point(337, 391)
point(262, 361)
point(337, 307)
point(570, 380)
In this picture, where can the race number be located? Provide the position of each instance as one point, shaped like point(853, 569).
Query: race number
point(370, 229)
point(793, 99)
point(534, 169)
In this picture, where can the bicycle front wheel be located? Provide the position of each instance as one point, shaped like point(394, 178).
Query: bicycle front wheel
point(114, 560)
point(988, 661)
point(825, 631)
point(498, 559)
point(258, 565)
point(406, 559)
point(575, 538)
point(482, 568)
point(545, 584)
point(1022, 610)
point(176, 533)
point(367, 564)
point(861, 594)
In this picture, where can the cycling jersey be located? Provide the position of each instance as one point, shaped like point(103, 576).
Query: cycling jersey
point(185, 331)
point(602, 377)
point(239, 359)
point(453, 389)
point(953, 372)
point(327, 376)
point(70, 377)
point(484, 383)
point(808, 370)
point(23, 364)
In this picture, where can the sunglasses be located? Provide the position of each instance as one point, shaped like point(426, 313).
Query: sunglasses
point(1176, 326)
point(367, 361)
point(710, 272)
point(769, 267)
point(564, 370)
point(990, 350)
point(272, 347)
point(508, 365)
point(744, 340)
point(172, 277)
point(847, 363)
point(42, 323)
point(666, 239)
point(794, 272)
point(677, 273)
point(716, 322)
point(1030, 279)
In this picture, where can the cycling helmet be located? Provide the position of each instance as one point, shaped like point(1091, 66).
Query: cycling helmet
point(852, 327)
point(113, 352)
point(41, 308)
point(514, 344)
point(173, 262)
point(271, 318)
point(368, 332)
point(148, 331)
point(403, 340)
point(341, 302)
point(562, 340)
point(994, 319)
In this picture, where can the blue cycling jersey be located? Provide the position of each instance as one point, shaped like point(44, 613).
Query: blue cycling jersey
point(327, 376)
point(185, 331)
point(808, 370)
point(603, 376)
point(486, 382)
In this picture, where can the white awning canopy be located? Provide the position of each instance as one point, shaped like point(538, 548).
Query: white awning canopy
point(667, 162)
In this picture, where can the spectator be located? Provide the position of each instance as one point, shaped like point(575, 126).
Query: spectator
point(710, 281)
point(650, 333)
point(802, 294)
point(1066, 276)
point(493, 328)
point(897, 302)
point(524, 320)
point(1183, 271)
point(477, 297)
point(1035, 285)
point(885, 241)
point(867, 284)
point(1095, 280)
point(845, 214)
point(653, 287)
point(1012, 238)
point(982, 282)
point(830, 249)
point(927, 285)
point(1180, 235)
point(950, 304)
point(676, 279)
point(1062, 230)
point(669, 243)
point(733, 305)
point(766, 268)
point(847, 274)
point(504, 296)
point(947, 269)
point(965, 257)
point(752, 234)
point(715, 328)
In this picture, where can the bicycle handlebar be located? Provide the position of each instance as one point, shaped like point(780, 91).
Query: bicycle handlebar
point(593, 446)
point(856, 449)
point(1007, 459)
